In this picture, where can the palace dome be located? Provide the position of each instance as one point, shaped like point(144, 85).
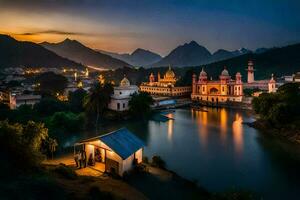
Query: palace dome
point(170, 73)
point(225, 72)
point(238, 74)
point(124, 82)
point(203, 73)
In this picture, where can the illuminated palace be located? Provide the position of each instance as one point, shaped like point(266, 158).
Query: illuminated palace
point(165, 86)
point(222, 90)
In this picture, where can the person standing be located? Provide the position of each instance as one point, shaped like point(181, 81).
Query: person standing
point(76, 160)
point(83, 158)
point(80, 159)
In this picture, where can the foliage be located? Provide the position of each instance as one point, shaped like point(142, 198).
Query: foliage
point(4, 110)
point(21, 145)
point(145, 160)
point(76, 99)
point(51, 83)
point(49, 106)
point(66, 122)
point(97, 100)
point(139, 104)
point(157, 161)
point(249, 91)
point(280, 108)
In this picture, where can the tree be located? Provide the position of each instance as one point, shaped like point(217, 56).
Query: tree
point(139, 104)
point(97, 100)
point(48, 106)
point(52, 144)
point(280, 108)
point(51, 83)
point(20, 145)
point(66, 122)
point(76, 99)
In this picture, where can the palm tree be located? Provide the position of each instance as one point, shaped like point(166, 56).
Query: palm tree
point(52, 144)
point(98, 99)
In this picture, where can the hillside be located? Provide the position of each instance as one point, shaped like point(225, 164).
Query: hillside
point(15, 53)
point(139, 57)
point(76, 51)
point(189, 54)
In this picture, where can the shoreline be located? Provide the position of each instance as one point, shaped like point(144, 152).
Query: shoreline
point(283, 133)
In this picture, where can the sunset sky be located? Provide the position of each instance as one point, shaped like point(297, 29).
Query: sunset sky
point(157, 25)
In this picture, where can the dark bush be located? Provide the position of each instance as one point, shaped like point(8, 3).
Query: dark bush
point(65, 172)
point(157, 161)
point(145, 160)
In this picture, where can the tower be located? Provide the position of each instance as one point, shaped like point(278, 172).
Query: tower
point(203, 82)
point(238, 88)
point(194, 84)
point(272, 85)
point(158, 76)
point(151, 78)
point(250, 71)
point(224, 79)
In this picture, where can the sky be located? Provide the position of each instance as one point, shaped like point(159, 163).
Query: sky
point(157, 25)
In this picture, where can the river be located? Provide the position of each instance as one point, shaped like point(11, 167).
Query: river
point(219, 152)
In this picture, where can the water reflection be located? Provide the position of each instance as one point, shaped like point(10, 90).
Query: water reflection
point(202, 126)
point(170, 126)
point(237, 129)
point(223, 124)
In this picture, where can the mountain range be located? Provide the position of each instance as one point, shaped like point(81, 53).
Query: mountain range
point(70, 53)
point(76, 51)
point(280, 61)
point(188, 54)
point(15, 53)
point(139, 57)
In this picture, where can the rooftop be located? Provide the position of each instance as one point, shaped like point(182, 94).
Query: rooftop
point(122, 141)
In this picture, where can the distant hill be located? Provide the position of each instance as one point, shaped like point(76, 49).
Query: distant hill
point(189, 54)
point(221, 54)
point(280, 61)
point(140, 57)
point(76, 51)
point(15, 53)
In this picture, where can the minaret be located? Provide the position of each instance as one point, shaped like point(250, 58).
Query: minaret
point(151, 78)
point(272, 85)
point(194, 86)
point(250, 71)
point(158, 76)
point(238, 87)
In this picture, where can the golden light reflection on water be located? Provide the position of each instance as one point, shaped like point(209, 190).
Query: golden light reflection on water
point(237, 129)
point(170, 126)
point(202, 120)
point(223, 124)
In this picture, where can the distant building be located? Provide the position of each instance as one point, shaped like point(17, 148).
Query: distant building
point(250, 71)
point(5, 97)
point(19, 100)
point(222, 90)
point(121, 96)
point(293, 78)
point(256, 84)
point(165, 86)
point(272, 85)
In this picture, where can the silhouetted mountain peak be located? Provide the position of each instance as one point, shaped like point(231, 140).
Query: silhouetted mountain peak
point(74, 50)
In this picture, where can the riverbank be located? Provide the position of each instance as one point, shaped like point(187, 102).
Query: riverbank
point(145, 182)
point(290, 132)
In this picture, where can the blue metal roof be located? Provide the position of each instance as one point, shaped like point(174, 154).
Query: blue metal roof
point(123, 142)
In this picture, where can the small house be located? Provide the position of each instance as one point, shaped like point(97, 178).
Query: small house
point(115, 152)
